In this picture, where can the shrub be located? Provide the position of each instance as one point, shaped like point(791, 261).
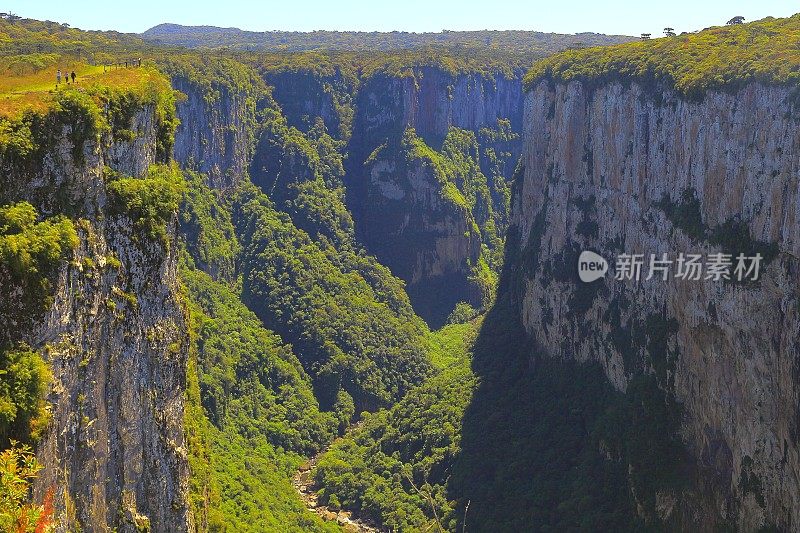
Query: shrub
point(151, 202)
point(18, 469)
point(24, 378)
point(462, 313)
point(29, 255)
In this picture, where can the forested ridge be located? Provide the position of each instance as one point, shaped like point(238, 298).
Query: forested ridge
point(519, 42)
point(721, 57)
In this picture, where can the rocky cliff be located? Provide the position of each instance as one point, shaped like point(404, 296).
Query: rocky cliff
point(434, 250)
point(639, 169)
point(215, 134)
point(113, 335)
point(305, 96)
point(435, 213)
point(431, 100)
point(421, 227)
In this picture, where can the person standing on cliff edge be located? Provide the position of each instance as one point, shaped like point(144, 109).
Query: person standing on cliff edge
point(58, 77)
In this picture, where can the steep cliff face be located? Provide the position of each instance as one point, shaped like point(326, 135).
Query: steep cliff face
point(114, 338)
point(431, 100)
point(434, 213)
point(305, 96)
point(432, 247)
point(641, 170)
point(215, 132)
point(427, 237)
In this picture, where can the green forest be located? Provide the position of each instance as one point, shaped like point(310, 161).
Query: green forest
point(722, 57)
point(305, 351)
point(524, 43)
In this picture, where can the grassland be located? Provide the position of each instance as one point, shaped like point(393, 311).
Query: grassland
point(36, 90)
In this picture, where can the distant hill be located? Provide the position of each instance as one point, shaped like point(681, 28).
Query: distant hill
point(30, 37)
point(527, 42)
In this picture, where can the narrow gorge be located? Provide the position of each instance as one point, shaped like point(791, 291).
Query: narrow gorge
point(312, 282)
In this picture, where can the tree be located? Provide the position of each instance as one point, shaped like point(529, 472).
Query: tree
point(735, 20)
point(669, 32)
point(18, 469)
point(645, 36)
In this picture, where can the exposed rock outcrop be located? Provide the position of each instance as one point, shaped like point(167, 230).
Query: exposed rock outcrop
point(630, 169)
point(215, 135)
point(432, 247)
point(116, 342)
point(427, 238)
point(305, 96)
point(432, 100)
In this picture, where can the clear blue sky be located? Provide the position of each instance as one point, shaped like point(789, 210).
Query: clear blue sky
point(563, 16)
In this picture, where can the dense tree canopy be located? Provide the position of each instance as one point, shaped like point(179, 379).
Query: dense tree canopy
point(767, 50)
point(351, 335)
point(522, 42)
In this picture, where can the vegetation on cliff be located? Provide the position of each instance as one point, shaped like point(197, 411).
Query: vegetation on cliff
point(31, 250)
point(150, 202)
point(23, 412)
point(249, 379)
point(302, 174)
point(30, 253)
point(465, 197)
point(214, 74)
point(323, 82)
point(765, 51)
point(34, 113)
point(351, 332)
point(207, 228)
point(394, 467)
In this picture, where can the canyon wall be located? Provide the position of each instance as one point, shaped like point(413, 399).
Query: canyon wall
point(405, 212)
point(432, 100)
point(434, 250)
point(114, 338)
point(639, 169)
point(215, 134)
point(305, 96)
point(427, 238)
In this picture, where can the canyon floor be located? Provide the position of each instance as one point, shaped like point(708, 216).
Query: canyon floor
point(303, 483)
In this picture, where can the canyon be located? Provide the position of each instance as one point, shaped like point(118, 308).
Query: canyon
point(371, 260)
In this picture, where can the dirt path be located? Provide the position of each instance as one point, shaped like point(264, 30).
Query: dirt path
point(303, 483)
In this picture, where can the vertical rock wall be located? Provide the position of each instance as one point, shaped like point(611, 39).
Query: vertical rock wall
point(626, 169)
